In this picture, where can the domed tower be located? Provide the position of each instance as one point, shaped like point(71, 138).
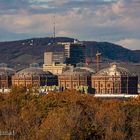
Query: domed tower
point(72, 78)
point(115, 80)
point(5, 76)
point(33, 76)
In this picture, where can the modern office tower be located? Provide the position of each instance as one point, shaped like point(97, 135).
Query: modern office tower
point(54, 59)
point(74, 53)
point(59, 57)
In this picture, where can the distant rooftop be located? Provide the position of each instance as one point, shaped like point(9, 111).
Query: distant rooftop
point(55, 48)
point(34, 69)
point(77, 71)
point(4, 70)
point(115, 70)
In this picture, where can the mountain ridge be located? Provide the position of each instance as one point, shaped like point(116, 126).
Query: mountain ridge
point(24, 52)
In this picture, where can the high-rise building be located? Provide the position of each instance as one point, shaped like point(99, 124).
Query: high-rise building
point(67, 50)
point(75, 53)
point(54, 59)
point(59, 57)
point(54, 55)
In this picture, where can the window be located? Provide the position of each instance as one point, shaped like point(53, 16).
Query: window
point(111, 90)
point(108, 85)
point(101, 91)
point(74, 85)
point(108, 91)
point(116, 90)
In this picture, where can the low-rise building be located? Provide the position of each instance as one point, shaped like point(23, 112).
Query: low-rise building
point(5, 76)
point(115, 80)
point(33, 77)
point(56, 69)
point(73, 78)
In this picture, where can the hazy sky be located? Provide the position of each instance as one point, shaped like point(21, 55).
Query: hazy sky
point(115, 21)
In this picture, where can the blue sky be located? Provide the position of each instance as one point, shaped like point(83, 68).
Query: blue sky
point(116, 21)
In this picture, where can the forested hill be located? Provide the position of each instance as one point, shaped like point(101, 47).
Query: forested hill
point(113, 51)
point(68, 116)
point(24, 52)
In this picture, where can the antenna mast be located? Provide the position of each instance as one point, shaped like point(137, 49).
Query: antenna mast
point(54, 29)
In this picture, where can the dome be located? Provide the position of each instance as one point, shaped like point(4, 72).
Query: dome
point(114, 70)
point(91, 70)
point(77, 71)
point(4, 70)
point(33, 71)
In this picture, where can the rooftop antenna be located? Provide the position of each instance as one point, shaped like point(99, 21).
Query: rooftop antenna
point(54, 30)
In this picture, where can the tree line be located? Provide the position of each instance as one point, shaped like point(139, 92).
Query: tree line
point(68, 116)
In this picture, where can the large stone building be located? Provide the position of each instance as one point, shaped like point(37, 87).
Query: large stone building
point(33, 77)
point(115, 80)
point(5, 76)
point(73, 78)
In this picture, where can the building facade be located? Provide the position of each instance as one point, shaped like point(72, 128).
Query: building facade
point(74, 78)
point(75, 53)
point(5, 76)
point(54, 54)
point(51, 58)
point(69, 53)
point(115, 80)
point(56, 69)
point(34, 77)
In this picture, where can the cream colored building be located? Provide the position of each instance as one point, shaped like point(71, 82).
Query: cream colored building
point(54, 57)
point(56, 69)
